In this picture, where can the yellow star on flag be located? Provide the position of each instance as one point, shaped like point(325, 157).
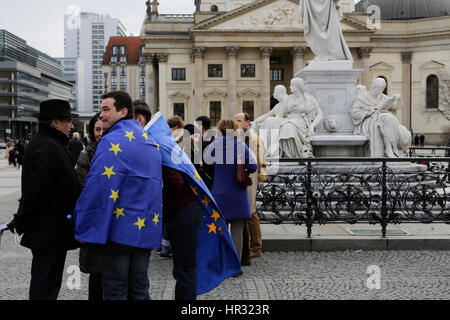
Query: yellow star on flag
point(145, 135)
point(140, 223)
point(157, 145)
point(119, 212)
point(115, 148)
point(206, 201)
point(109, 172)
point(130, 135)
point(215, 215)
point(212, 228)
point(194, 190)
point(156, 219)
point(114, 195)
point(196, 175)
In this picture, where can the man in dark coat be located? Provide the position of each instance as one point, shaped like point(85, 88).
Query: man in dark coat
point(50, 190)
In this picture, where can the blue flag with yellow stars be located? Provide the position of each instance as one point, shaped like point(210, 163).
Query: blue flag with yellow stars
point(217, 258)
point(122, 198)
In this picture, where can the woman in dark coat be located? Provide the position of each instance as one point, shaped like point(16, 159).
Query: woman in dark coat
point(233, 199)
point(89, 262)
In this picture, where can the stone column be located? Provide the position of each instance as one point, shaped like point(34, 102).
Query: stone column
point(298, 53)
point(198, 54)
point(232, 105)
point(406, 92)
point(265, 78)
point(364, 55)
point(149, 82)
point(162, 62)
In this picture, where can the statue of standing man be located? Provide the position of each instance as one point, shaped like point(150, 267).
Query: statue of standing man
point(323, 32)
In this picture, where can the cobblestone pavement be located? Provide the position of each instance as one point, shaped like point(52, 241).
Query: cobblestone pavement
point(406, 275)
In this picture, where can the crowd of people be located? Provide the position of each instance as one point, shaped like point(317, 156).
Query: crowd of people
point(14, 152)
point(58, 182)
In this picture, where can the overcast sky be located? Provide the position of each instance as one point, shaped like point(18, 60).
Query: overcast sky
point(41, 22)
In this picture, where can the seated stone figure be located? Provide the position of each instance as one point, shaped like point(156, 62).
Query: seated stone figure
point(374, 115)
point(268, 125)
point(295, 117)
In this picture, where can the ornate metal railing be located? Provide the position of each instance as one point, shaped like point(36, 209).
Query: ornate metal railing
point(340, 190)
point(415, 151)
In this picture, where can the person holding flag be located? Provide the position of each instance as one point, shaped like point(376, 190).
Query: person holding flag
point(120, 209)
point(203, 252)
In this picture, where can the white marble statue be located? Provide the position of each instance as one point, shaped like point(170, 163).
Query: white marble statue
point(269, 124)
point(323, 32)
point(294, 119)
point(374, 115)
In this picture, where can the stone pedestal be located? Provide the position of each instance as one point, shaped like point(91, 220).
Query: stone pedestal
point(340, 146)
point(333, 84)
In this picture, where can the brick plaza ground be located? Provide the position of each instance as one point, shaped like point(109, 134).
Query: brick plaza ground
point(405, 275)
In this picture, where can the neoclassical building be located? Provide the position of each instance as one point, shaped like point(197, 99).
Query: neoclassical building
point(228, 56)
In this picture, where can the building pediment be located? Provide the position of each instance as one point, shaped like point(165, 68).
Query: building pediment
point(268, 16)
point(382, 66)
point(248, 92)
point(432, 65)
point(215, 92)
point(179, 94)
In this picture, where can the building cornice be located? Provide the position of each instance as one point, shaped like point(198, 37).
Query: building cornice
point(282, 31)
point(412, 36)
point(166, 38)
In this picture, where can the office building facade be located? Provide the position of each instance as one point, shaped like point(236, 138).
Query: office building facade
point(87, 41)
point(27, 77)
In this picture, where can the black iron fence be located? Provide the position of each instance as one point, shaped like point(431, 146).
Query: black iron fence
point(359, 190)
point(433, 151)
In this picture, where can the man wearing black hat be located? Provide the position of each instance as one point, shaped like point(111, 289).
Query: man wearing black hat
point(50, 190)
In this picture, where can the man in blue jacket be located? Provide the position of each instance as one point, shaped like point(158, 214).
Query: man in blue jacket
point(120, 209)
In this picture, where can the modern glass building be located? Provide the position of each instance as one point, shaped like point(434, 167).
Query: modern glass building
point(87, 41)
point(27, 77)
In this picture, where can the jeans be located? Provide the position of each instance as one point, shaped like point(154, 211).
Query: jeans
point(184, 228)
point(125, 276)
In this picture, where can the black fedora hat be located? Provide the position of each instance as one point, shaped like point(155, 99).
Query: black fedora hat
point(54, 109)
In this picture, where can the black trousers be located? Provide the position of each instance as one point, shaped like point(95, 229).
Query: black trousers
point(47, 271)
point(95, 287)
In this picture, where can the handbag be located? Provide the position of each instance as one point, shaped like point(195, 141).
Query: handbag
point(242, 177)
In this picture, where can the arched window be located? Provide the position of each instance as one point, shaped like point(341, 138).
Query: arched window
point(432, 92)
point(214, 8)
point(386, 89)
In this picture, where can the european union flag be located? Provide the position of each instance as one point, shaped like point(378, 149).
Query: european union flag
point(122, 198)
point(217, 258)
